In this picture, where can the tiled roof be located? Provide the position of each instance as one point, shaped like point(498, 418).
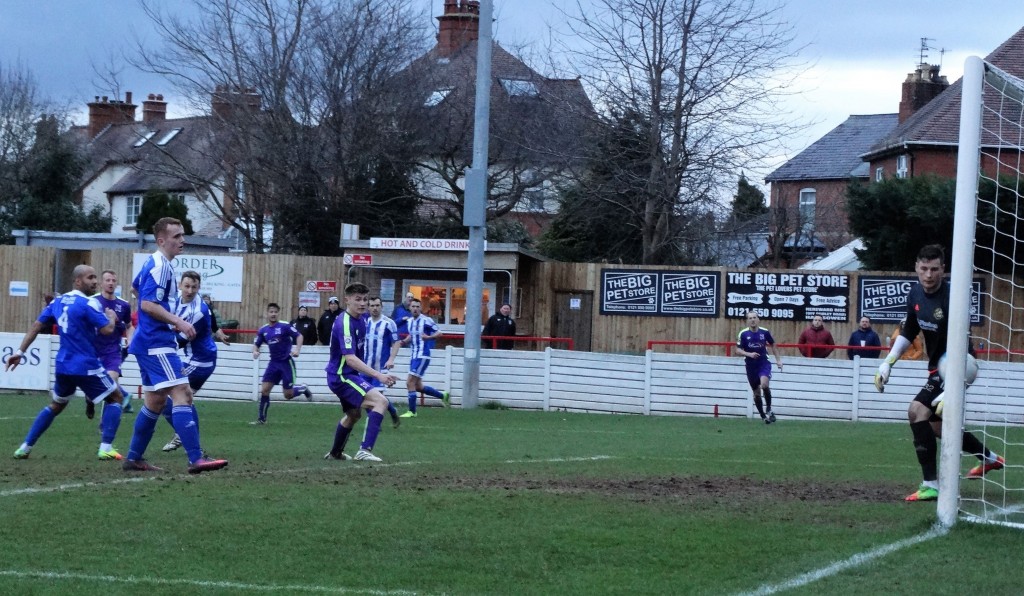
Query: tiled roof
point(837, 154)
point(190, 157)
point(938, 122)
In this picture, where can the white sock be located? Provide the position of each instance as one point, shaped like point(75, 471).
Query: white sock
point(931, 484)
point(104, 447)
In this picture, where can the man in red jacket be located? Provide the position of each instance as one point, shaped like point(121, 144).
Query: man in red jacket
point(816, 335)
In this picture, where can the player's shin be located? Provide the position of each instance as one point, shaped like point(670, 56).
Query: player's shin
point(110, 422)
point(145, 424)
point(926, 446)
point(374, 420)
point(188, 432)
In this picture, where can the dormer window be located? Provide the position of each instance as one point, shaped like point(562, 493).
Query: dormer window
point(142, 140)
point(519, 88)
point(167, 137)
point(437, 97)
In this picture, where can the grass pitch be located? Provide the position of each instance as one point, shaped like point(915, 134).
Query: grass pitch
point(486, 502)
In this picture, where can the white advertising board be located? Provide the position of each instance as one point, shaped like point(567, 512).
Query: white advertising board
point(34, 371)
point(222, 276)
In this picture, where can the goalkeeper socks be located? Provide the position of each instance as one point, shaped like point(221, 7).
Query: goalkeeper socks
point(264, 407)
point(767, 398)
point(109, 422)
point(188, 432)
point(412, 402)
point(145, 424)
point(427, 389)
point(758, 405)
point(926, 447)
point(340, 438)
point(972, 445)
point(372, 430)
point(42, 422)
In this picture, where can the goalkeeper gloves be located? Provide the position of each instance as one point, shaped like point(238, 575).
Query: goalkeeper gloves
point(882, 376)
point(938, 402)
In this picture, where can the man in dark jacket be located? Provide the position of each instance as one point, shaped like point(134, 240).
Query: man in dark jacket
point(864, 336)
point(326, 322)
point(501, 325)
point(401, 315)
point(306, 326)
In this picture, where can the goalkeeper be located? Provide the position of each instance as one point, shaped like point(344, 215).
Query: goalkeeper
point(927, 309)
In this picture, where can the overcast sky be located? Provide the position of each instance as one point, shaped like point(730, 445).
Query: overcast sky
point(860, 52)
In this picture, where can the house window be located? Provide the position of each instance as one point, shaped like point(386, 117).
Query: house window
point(535, 200)
point(808, 203)
point(879, 174)
point(133, 206)
point(436, 97)
point(145, 137)
point(167, 137)
point(519, 88)
point(445, 301)
point(902, 166)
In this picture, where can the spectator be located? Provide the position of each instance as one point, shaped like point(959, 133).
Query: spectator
point(401, 314)
point(218, 333)
point(501, 325)
point(326, 322)
point(866, 337)
point(816, 335)
point(306, 326)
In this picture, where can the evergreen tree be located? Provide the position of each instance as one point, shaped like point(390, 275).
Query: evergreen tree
point(749, 201)
point(157, 204)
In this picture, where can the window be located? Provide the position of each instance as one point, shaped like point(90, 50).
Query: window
point(145, 137)
point(445, 301)
point(167, 137)
point(436, 97)
point(808, 203)
point(535, 200)
point(133, 207)
point(879, 174)
point(519, 88)
point(902, 166)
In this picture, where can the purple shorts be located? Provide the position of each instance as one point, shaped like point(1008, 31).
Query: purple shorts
point(112, 361)
point(761, 367)
point(350, 389)
point(95, 387)
point(280, 371)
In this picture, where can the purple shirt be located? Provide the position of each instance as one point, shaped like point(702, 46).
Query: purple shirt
point(348, 338)
point(755, 341)
point(279, 337)
point(111, 344)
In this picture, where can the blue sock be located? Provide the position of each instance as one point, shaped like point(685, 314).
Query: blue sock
point(145, 424)
point(412, 402)
point(432, 392)
point(372, 430)
point(340, 438)
point(264, 406)
point(392, 410)
point(39, 426)
point(195, 415)
point(109, 422)
point(166, 411)
point(188, 432)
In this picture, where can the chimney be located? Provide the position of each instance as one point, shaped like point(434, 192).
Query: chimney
point(460, 26)
point(920, 87)
point(104, 112)
point(225, 101)
point(154, 109)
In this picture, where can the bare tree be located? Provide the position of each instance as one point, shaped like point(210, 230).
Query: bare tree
point(703, 79)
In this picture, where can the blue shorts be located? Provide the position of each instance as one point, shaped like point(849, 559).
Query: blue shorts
point(96, 387)
point(160, 369)
point(112, 361)
point(418, 366)
point(197, 375)
point(280, 371)
point(761, 367)
point(350, 389)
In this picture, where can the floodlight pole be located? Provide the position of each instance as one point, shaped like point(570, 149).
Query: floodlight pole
point(475, 213)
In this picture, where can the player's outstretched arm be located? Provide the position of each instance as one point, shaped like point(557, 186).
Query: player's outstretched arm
point(15, 359)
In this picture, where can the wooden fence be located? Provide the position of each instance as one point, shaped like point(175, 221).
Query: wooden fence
point(279, 278)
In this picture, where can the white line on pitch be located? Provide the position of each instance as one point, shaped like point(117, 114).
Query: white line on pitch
point(133, 580)
point(854, 561)
point(73, 485)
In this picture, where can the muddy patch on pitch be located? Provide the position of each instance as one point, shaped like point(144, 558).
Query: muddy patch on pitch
point(667, 488)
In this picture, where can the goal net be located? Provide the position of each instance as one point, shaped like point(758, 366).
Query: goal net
point(988, 245)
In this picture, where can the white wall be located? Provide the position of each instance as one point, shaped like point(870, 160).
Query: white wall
point(655, 384)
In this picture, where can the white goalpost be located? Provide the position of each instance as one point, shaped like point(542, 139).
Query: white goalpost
point(988, 243)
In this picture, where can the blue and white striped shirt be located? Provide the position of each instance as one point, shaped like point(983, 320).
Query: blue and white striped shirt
point(381, 336)
point(418, 327)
